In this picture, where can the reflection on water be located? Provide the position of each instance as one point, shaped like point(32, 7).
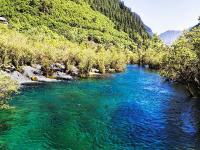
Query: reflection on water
point(131, 110)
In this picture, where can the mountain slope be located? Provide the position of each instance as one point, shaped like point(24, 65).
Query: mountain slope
point(123, 17)
point(75, 20)
point(170, 36)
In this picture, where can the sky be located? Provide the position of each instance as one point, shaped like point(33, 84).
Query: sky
point(163, 15)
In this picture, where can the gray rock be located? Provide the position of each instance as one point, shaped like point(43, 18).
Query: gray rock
point(34, 73)
point(74, 70)
point(30, 71)
point(45, 79)
point(3, 20)
point(8, 68)
point(37, 66)
point(20, 78)
point(93, 74)
point(58, 67)
point(94, 70)
point(62, 76)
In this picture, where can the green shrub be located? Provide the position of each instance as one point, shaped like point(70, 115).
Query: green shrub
point(7, 87)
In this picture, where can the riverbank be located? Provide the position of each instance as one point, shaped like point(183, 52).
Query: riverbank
point(35, 73)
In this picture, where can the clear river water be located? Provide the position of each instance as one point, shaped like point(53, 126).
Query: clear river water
point(134, 110)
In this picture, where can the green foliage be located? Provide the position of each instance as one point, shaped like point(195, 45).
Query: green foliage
point(183, 61)
point(154, 54)
point(7, 87)
point(45, 49)
point(76, 21)
point(123, 17)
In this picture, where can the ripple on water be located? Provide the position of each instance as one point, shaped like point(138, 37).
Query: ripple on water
point(135, 109)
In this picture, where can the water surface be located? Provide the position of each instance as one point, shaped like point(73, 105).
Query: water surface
point(131, 110)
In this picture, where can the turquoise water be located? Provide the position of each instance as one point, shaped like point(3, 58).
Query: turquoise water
point(131, 110)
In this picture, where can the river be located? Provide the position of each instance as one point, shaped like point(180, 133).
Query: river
point(131, 110)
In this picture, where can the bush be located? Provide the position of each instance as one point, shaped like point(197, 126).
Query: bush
point(181, 62)
point(7, 87)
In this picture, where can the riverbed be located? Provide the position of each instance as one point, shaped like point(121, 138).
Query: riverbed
point(136, 109)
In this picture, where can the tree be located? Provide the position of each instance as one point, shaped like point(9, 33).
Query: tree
point(155, 52)
point(182, 63)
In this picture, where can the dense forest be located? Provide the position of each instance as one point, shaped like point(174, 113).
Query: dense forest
point(123, 17)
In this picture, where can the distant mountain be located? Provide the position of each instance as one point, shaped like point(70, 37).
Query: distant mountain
point(170, 36)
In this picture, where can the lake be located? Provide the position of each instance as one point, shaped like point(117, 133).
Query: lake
point(136, 109)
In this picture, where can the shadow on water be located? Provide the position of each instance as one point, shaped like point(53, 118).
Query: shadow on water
point(183, 123)
point(131, 110)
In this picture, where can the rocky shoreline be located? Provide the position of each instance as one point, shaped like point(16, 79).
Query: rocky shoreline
point(34, 73)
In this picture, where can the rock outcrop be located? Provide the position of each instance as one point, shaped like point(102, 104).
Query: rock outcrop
point(31, 74)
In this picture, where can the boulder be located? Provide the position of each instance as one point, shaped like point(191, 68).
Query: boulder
point(34, 78)
point(62, 76)
point(8, 68)
point(111, 70)
point(94, 70)
point(45, 79)
point(94, 74)
point(20, 78)
point(58, 67)
point(74, 70)
point(29, 71)
point(37, 66)
point(36, 74)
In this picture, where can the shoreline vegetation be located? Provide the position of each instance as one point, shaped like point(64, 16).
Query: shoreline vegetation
point(59, 40)
point(7, 87)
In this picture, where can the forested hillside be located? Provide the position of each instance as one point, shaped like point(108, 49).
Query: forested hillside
point(123, 17)
point(75, 20)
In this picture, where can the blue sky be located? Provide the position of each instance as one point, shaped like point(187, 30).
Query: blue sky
point(163, 15)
